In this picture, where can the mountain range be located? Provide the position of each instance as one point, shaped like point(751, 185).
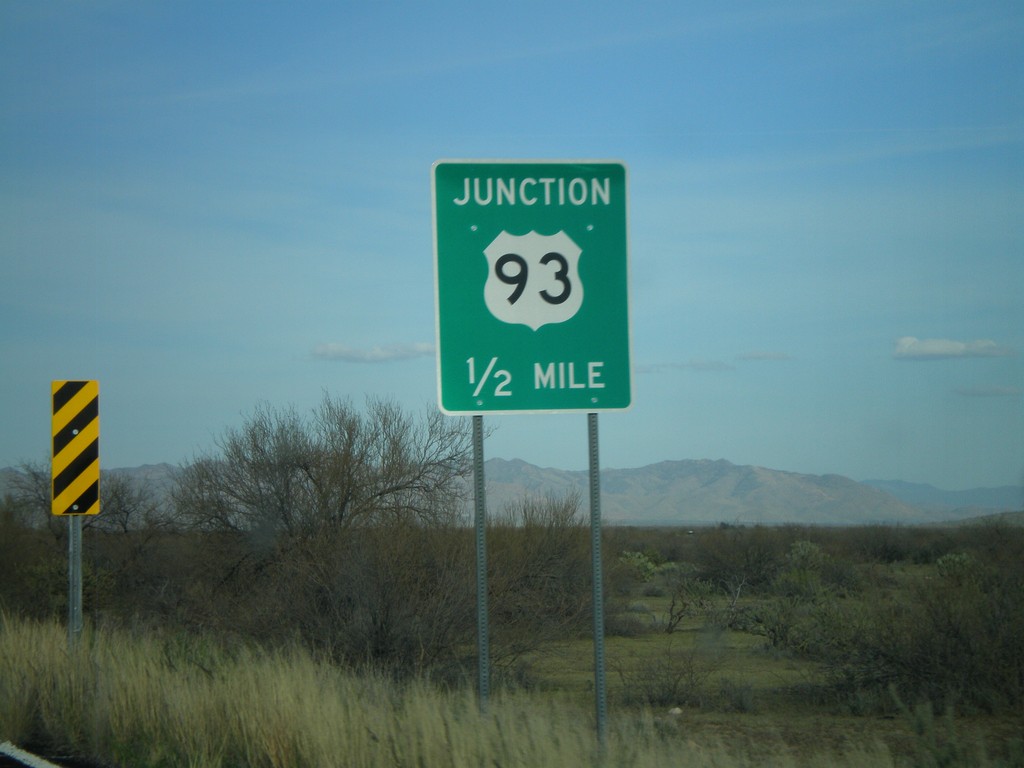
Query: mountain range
point(928, 496)
point(701, 492)
point(695, 492)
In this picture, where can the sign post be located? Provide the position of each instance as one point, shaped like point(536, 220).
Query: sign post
point(75, 486)
point(480, 522)
point(531, 282)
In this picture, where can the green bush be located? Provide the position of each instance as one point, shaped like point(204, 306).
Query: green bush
point(799, 584)
point(736, 696)
point(670, 677)
point(639, 564)
point(805, 556)
point(740, 558)
point(955, 640)
point(691, 597)
point(957, 568)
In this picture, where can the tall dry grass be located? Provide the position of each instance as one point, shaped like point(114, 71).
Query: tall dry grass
point(171, 700)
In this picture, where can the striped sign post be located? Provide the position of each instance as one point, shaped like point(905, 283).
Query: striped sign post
point(75, 476)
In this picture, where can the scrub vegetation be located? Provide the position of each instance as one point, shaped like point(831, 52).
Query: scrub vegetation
point(306, 596)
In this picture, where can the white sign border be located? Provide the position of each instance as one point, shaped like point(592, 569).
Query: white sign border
point(437, 304)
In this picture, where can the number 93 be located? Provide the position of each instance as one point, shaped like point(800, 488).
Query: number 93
point(520, 277)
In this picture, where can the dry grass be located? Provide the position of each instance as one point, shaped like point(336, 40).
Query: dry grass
point(144, 700)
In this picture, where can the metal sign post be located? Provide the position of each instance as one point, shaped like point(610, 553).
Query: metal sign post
point(480, 505)
point(74, 580)
point(600, 697)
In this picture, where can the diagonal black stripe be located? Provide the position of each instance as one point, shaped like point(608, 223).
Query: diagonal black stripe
point(84, 417)
point(76, 468)
point(83, 503)
point(67, 390)
point(89, 497)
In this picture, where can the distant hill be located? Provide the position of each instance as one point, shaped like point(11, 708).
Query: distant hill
point(1005, 498)
point(1001, 518)
point(160, 477)
point(696, 492)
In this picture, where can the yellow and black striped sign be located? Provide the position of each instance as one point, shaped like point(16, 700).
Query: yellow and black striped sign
point(76, 447)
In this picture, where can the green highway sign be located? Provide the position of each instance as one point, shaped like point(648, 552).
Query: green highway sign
point(531, 272)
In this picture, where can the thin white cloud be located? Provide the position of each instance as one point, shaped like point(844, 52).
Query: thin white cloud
point(384, 354)
point(691, 365)
point(911, 348)
point(764, 355)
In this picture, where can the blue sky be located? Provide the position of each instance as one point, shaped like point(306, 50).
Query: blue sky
point(206, 206)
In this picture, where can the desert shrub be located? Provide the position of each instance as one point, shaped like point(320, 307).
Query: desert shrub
point(799, 584)
point(620, 621)
point(957, 568)
point(639, 564)
point(736, 696)
point(33, 578)
point(539, 574)
point(669, 677)
point(669, 544)
point(805, 555)
point(654, 590)
point(691, 597)
point(955, 640)
point(741, 558)
point(801, 578)
point(397, 597)
point(877, 544)
point(785, 623)
point(933, 543)
point(842, 577)
point(338, 528)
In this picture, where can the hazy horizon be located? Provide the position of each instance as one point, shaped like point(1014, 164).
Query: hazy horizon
point(863, 480)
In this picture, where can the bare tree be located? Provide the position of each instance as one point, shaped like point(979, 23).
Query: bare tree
point(337, 526)
point(540, 576)
point(127, 505)
point(282, 474)
point(31, 489)
point(124, 504)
